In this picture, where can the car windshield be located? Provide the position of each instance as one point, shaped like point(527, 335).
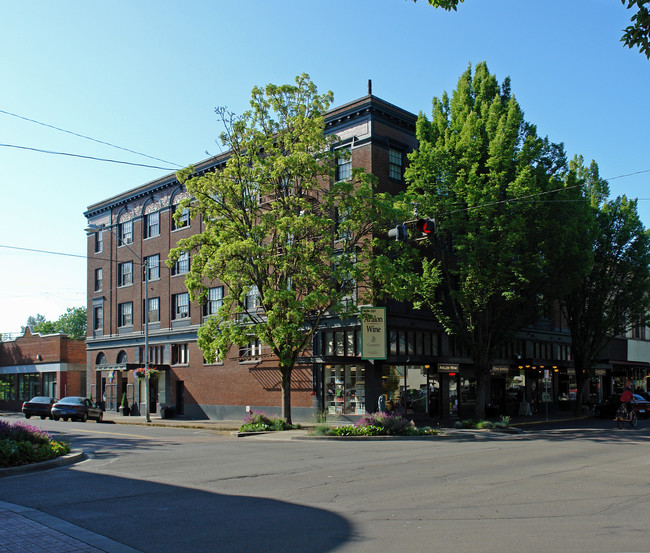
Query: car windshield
point(72, 400)
point(40, 399)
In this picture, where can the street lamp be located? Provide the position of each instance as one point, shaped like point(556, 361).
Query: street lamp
point(94, 229)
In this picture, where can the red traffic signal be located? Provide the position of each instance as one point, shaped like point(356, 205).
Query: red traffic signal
point(426, 226)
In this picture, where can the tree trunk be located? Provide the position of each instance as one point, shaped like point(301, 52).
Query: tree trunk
point(286, 392)
point(482, 386)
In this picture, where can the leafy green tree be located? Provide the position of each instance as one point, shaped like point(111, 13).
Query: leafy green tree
point(614, 296)
point(637, 34)
point(289, 242)
point(40, 324)
point(483, 174)
point(72, 323)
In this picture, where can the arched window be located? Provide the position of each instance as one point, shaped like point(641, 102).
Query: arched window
point(122, 358)
point(101, 359)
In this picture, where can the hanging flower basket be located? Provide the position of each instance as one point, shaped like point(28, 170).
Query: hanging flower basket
point(142, 373)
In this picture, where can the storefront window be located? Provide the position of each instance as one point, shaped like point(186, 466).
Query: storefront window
point(49, 385)
point(28, 386)
point(7, 386)
point(345, 390)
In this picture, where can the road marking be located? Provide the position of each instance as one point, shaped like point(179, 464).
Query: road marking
point(111, 433)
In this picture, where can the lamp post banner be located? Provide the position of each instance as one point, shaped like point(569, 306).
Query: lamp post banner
point(373, 333)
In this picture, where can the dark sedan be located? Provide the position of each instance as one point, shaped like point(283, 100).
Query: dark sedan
point(39, 406)
point(613, 402)
point(76, 408)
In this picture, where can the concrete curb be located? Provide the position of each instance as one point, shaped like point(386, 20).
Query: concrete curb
point(74, 456)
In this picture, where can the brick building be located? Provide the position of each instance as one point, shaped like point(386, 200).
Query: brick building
point(431, 374)
point(52, 365)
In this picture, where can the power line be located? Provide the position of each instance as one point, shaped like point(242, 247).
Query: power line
point(86, 157)
point(538, 194)
point(87, 137)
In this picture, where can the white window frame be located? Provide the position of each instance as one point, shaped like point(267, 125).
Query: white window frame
point(125, 314)
point(180, 306)
point(152, 224)
point(126, 233)
point(125, 274)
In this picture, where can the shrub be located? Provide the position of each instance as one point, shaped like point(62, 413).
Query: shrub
point(21, 444)
point(470, 423)
point(258, 421)
point(378, 424)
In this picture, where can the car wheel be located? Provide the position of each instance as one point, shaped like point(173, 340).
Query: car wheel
point(100, 418)
point(65, 419)
point(84, 417)
point(42, 417)
point(27, 416)
point(56, 418)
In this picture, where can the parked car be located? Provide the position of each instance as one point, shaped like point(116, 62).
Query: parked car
point(39, 406)
point(609, 407)
point(76, 408)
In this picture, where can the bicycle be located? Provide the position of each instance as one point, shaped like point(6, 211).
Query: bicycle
point(623, 416)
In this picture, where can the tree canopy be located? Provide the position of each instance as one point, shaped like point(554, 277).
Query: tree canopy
point(614, 294)
point(483, 173)
point(281, 233)
point(72, 323)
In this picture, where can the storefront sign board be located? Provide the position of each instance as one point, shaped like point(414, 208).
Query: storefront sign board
point(373, 333)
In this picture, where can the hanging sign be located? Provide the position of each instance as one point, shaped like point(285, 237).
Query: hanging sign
point(373, 333)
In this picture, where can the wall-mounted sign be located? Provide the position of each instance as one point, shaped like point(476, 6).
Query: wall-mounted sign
point(373, 333)
point(500, 369)
point(448, 367)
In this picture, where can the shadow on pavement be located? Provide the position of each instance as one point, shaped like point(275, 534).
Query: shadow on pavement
point(163, 518)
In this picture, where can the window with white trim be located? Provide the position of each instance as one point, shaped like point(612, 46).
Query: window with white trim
point(213, 302)
point(182, 264)
point(125, 273)
point(153, 310)
point(152, 224)
point(99, 279)
point(180, 306)
point(184, 217)
point(125, 314)
point(126, 233)
point(343, 164)
point(152, 266)
point(99, 241)
point(98, 318)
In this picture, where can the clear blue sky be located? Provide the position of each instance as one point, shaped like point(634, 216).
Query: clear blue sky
point(147, 74)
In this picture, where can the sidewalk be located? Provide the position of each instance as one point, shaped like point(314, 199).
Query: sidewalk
point(28, 530)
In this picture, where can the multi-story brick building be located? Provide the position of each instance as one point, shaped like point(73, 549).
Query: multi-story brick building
point(53, 365)
point(430, 373)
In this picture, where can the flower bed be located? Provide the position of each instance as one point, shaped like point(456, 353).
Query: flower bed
point(470, 423)
point(257, 421)
point(21, 444)
point(378, 424)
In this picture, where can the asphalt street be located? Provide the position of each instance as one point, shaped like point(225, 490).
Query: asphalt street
point(579, 485)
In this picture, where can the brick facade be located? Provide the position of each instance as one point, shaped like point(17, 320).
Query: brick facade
point(41, 365)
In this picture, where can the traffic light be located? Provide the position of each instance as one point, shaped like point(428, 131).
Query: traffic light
point(426, 226)
point(398, 233)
